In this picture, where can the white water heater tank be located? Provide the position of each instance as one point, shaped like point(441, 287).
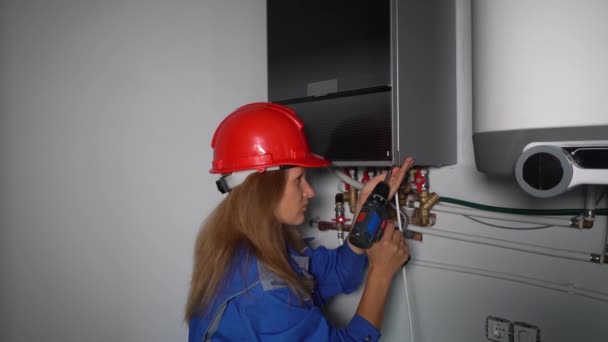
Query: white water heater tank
point(540, 74)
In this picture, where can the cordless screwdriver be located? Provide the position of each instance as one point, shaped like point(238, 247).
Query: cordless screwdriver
point(370, 223)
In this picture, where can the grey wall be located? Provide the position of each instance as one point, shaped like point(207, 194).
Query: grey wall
point(106, 116)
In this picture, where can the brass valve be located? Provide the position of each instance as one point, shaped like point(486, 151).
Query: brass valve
point(422, 216)
point(350, 196)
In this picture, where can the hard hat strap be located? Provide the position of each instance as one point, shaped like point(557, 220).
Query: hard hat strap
point(234, 179)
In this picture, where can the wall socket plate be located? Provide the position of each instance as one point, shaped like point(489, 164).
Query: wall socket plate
point(524, 332)
point(498, 329)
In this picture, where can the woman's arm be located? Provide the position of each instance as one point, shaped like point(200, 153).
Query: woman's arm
point(278, 315)
point(341, 270)
point(338, 270)
point(386, 257)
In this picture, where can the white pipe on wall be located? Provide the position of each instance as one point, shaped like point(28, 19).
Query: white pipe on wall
point(590, 196)
point(559, 253)
point(567, 288)
point(403, 272)
point(347, 179)
point(558, 222)
point(553, 252)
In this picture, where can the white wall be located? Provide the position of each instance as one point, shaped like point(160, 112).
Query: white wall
point(107, 111)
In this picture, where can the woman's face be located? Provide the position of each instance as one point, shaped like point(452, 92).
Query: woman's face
point(294, 201)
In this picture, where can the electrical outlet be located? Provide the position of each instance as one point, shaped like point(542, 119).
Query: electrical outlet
point(498, 329)
point(524, 332)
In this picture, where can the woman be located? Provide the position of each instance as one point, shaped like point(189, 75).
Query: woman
point(253, 276)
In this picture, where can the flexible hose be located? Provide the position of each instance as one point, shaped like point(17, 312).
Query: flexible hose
point(346, 179)
point(403, 272)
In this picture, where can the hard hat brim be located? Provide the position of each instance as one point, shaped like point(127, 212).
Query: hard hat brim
point(312, 161)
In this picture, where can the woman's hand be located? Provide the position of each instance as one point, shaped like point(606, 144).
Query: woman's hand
point(388, 255)
point(397, 175)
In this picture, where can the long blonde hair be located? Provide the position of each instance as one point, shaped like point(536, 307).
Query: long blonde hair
point(246, 216)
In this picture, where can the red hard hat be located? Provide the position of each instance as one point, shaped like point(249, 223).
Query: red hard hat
point(261, 135)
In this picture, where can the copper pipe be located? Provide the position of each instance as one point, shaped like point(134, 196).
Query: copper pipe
point(328, 225)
